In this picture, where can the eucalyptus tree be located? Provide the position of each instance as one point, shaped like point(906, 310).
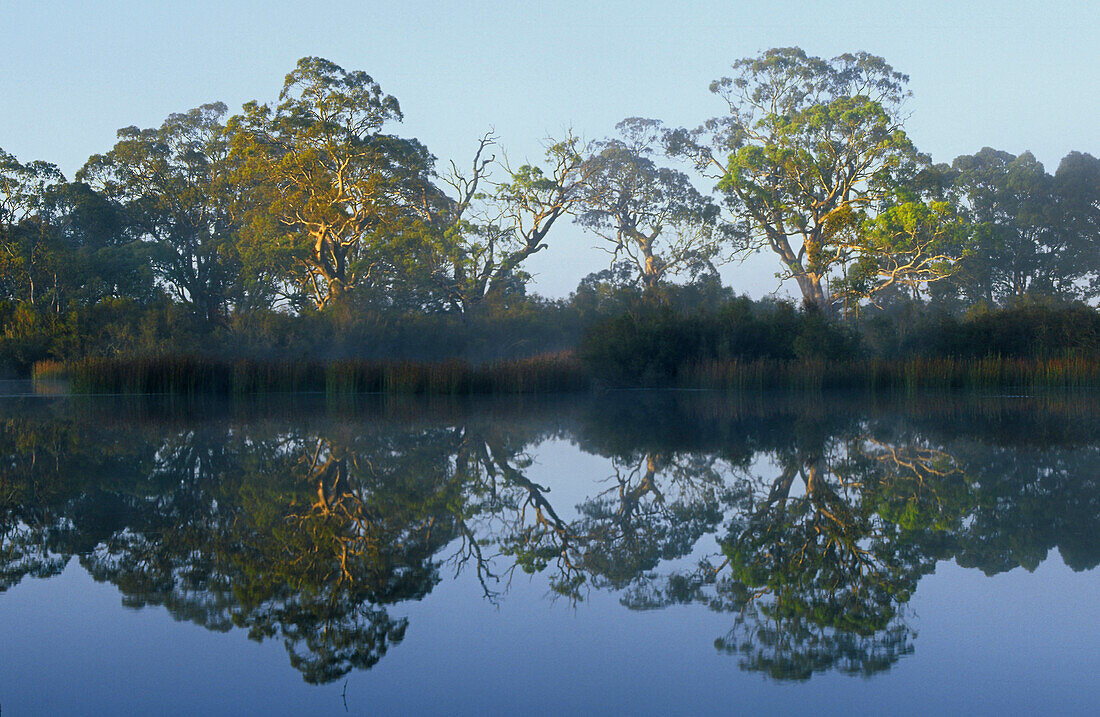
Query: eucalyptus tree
point(491, 226)
point(64, 244)
point(173, 186)
point(26, 239)
point(174, 183)
point(1077, 190)
point(331, 197)
point(22, 187)
point(1033, 233)
point(103, 258)
point(809, 151)
point(647, 214)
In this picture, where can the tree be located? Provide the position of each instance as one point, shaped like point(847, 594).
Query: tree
point(330, 195)
point(25, 236)
point(174, 185)
point(1077, 190)
point(912, 242)
point(1032, 233)
point(809, 151)
point(491, 228)
point(1005, 198)
point(103, 258)
point(633, 204)
point(22, 187)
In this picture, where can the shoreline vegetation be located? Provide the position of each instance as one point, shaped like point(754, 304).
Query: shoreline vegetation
point(551, 373)
point(561, 372)
point(660, 341)
point(305, 245)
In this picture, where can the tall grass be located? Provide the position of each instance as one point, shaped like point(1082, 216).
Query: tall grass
point(562, 372)
point(189, 375)
point(49, 369)
point(894, 375)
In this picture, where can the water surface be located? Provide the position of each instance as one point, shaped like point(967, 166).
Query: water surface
point(642, 553)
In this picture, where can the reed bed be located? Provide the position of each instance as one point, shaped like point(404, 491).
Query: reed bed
point(49, 369)
point(901, 375)
point(183, 375)
point(556, 373)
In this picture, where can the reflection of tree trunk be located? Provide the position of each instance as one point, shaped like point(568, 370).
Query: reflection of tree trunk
point(331, 479)
point(780, 491)
point(822, 496)
point(535, 492)
point(631, 498)
point(815, 470)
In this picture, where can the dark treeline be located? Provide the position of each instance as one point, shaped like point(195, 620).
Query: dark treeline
point(306, 228)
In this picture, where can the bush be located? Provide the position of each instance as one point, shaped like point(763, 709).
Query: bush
point(1027, 329)
point(656, 345)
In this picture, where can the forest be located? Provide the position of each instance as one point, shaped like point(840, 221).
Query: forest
point(306, 231)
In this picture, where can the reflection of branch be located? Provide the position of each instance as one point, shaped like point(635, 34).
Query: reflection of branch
point(471, 548)
point(525, 541)
point(917, 462)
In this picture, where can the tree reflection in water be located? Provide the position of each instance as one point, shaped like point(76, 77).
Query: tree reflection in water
point(817, 577)
point(811, 529)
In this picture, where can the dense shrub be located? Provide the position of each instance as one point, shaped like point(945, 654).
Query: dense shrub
point(654, 345)
point(694, 335)
point(1027, 329)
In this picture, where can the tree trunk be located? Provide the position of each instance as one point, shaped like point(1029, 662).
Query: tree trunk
point(813, 294)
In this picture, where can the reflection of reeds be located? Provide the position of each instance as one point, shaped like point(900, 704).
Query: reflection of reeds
point(192, 375)
point(905, 375)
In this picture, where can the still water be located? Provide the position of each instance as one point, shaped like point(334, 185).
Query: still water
point(634, 553)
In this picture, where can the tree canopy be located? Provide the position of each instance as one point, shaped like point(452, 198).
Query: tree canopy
point(330, 196)
point(649, 215)
point(810, 151)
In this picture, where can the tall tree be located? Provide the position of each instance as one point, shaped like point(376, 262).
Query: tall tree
point(1033, 233)
point(491, 227)
point(809, 151)
point(1077, 189)
point(650, 215)
point(25, 237)
point(330, 194)
point(173, 182)
point(102, 257)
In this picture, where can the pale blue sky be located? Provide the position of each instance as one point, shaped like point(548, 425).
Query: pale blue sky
point(1011, 75)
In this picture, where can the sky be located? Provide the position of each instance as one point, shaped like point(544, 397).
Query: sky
point(1011, 75)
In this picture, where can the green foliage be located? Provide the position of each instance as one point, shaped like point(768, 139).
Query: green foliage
point(651, 216)
point(330, 197)
point(809, 154)
point(313, 524)
point(303, 230)
point(1032, 233)
point(1034, 329)
point(173, 191)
